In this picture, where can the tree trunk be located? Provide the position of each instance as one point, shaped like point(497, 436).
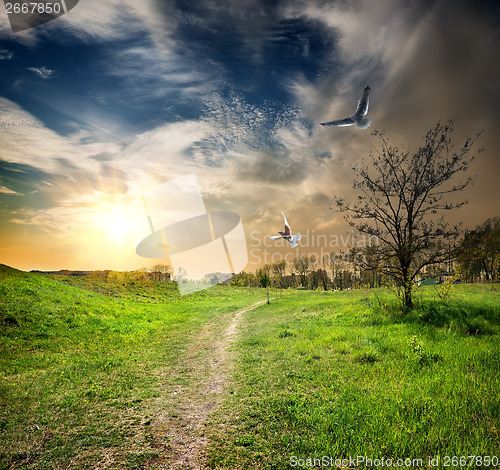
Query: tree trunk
point(407, 292)
point(407, 297)
point(486, 272)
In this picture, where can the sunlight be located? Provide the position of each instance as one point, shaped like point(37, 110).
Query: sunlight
point(112, 219)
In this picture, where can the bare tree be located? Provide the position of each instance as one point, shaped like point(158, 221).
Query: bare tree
point(402, 199)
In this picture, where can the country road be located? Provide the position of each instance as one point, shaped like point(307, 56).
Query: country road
point(207, 372)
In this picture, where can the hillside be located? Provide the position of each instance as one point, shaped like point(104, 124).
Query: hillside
point(83, 364)
point(113, 374)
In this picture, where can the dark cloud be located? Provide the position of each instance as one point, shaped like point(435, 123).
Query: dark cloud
point(250, 45)
point(23, 178)
point(317, 199)
point(275, 166)
point(32, 187)
point(449, 72)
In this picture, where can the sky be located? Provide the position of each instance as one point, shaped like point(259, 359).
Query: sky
point(114, 98)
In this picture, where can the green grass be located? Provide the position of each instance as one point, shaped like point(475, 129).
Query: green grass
point(84, 363)
point(86, 366)
point(344, 375)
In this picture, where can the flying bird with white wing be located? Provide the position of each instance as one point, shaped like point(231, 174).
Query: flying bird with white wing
point(287, 234)
point(358, 117)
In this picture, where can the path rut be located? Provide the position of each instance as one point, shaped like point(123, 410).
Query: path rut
point(208, 367)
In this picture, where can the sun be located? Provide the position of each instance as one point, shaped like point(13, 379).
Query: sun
point(118, 226)
point(112, 221)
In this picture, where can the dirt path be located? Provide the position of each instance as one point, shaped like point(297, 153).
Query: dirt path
point(208, 368)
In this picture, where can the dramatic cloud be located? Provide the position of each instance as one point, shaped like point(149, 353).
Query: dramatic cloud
point(422, 68)
point(148, 91)
point(26, 140)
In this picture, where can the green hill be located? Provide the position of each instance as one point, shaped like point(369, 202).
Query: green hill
point(107, 372)
point(8, 270)
point(80, 360)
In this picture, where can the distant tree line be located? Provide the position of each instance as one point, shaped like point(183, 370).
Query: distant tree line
point(473, 258)
point(478, 254)
point(157, 273)
point(338, 271)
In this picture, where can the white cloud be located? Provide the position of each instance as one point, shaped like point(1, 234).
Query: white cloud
point(5, 54)
point(157, 73)
point(94, 20)
point(25, 140)
point(161, 154)
point(5, 190)
point(43, 72)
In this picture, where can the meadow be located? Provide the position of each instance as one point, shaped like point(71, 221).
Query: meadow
point(96, 374)
point(346, 375)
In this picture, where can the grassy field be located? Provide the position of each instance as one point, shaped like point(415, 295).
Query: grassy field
point(89, 370)
point(84, 365)
point(344, 375)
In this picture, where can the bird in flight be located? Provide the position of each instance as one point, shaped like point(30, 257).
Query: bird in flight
point(358, 117)
point(287, 234)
